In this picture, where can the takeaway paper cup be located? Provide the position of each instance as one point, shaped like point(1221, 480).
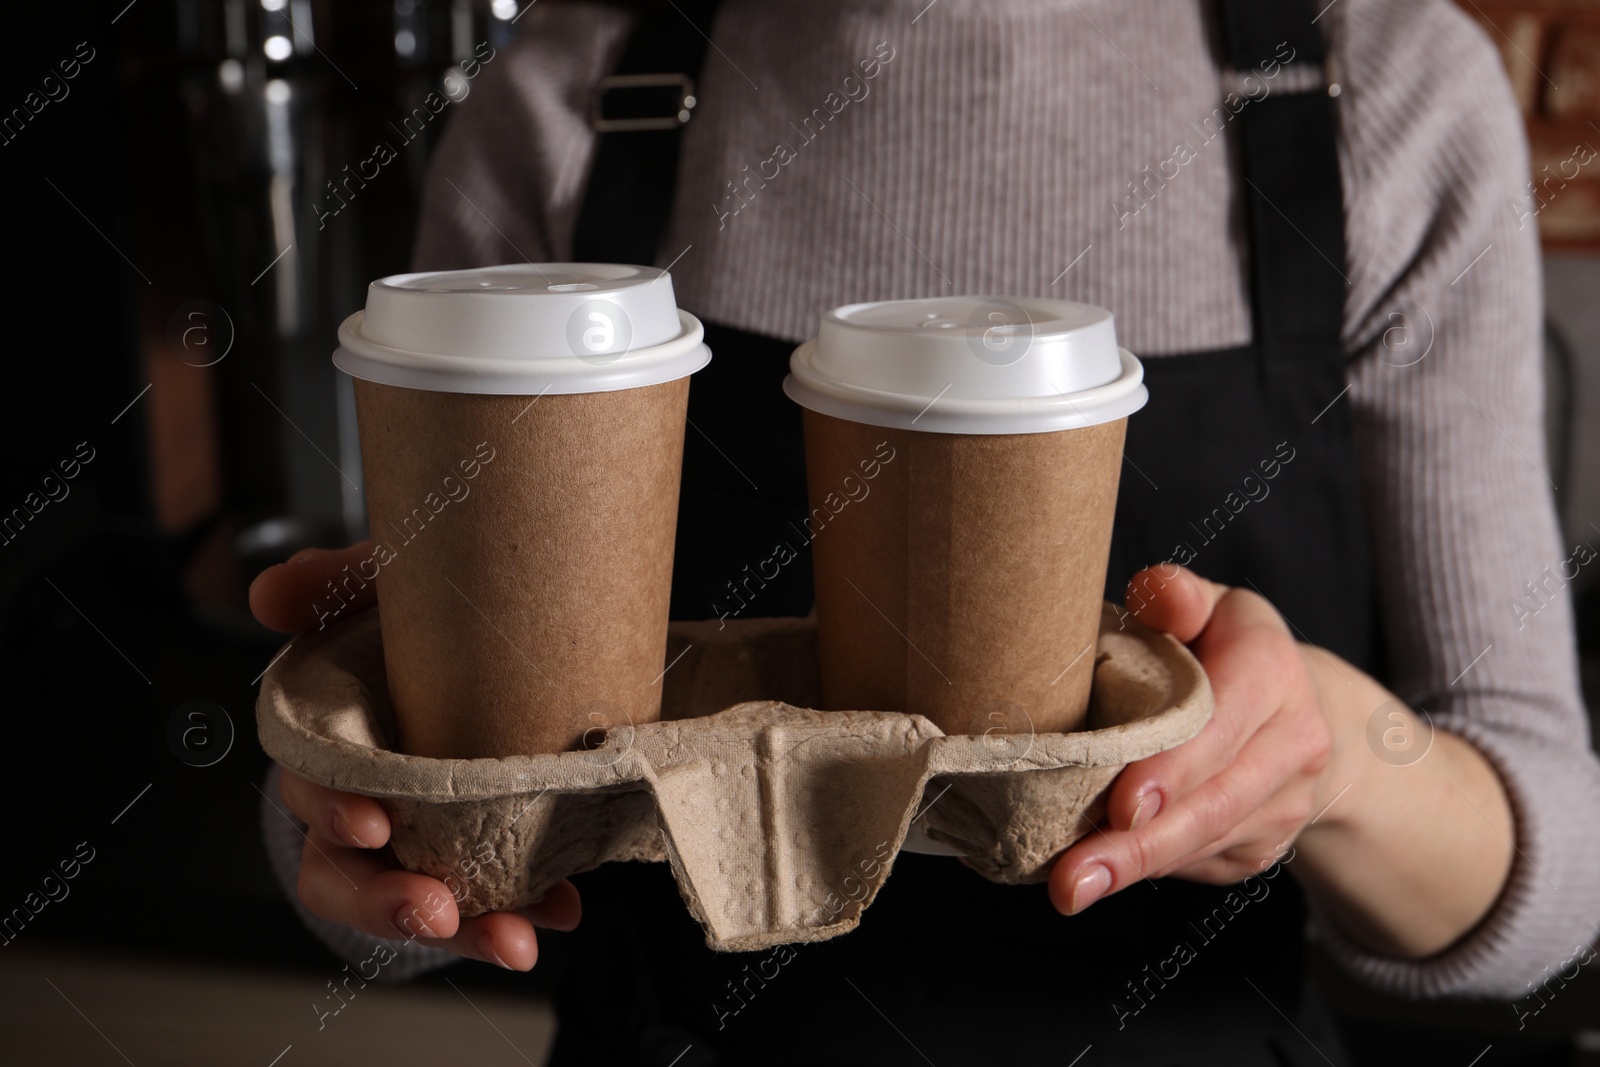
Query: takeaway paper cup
point(962, 457)
point(522, 437)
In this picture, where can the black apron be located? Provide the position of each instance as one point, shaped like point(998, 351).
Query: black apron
point(1241, 465)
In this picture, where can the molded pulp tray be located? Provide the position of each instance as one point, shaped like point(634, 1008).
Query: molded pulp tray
point(780, 823)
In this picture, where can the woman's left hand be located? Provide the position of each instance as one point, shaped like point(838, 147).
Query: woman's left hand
point(1226, 804)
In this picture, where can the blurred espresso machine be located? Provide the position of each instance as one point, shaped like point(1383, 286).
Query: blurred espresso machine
point(310, 124)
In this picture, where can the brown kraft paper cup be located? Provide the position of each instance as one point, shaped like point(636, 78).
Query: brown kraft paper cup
point(962, 458)
point(532, 610)
point(966, 584)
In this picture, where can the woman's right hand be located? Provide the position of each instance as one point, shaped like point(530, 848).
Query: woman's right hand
point(348, 875)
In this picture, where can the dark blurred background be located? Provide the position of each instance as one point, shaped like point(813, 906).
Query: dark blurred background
point(172, 305)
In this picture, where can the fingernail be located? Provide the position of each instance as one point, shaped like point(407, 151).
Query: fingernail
point(1091, 886)
point(411, 923)
point(497, 959)
point(1149, 806)
point(341, 826)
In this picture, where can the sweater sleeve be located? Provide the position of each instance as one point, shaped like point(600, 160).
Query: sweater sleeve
point(1444, 330)
point(285, 837)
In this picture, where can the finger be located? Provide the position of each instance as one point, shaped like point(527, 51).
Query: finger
point(364, 890)
point(503, 938)
point(508, 939)
point(1111, 860)
point(1255, 671)
point(1173, 599)
point(1253, 846)
point(1238, 614)
point(360, 888)
point(346, 818)
point(561, 908)
point(295, 596)
point(1220, 870)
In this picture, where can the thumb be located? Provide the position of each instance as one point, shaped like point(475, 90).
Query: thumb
point(1173, 599)
point(286, 597)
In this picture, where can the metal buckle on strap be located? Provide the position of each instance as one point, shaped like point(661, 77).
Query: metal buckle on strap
point(1291, 78)
point(678, 117)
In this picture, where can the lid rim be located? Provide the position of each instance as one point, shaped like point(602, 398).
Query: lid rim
point(557, 373)
point(1095, 406)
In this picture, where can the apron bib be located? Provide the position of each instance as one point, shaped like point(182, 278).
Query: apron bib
point(1242, 466)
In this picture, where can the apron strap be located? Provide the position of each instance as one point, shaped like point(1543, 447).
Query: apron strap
point(639, 112)
point(1294, 207)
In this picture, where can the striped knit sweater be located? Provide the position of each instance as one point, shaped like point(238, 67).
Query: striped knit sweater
point(1008, 146)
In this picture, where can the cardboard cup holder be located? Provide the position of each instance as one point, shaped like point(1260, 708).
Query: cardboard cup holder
point(780, 823)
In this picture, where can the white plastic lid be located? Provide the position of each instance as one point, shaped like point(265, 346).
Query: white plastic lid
point(523, 329)
point(968, 364)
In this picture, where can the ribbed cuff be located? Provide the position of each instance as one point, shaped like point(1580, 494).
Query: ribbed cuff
point(1536, 927)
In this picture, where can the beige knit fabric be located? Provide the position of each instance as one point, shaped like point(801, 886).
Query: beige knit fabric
point(994, 149)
